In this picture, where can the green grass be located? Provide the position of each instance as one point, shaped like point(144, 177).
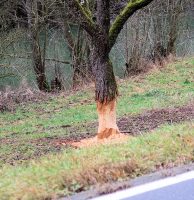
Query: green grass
point(171, 86)
point(75, 170)
point(25, 134)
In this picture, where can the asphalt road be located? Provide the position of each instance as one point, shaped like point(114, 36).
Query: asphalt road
point(180, 191)
point(180, 187)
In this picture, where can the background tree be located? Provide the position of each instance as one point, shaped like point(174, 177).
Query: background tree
point(103, 35)
point(37, 12)
point(152, 36)
point(78, 47)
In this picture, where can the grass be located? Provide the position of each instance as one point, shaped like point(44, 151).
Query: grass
point(76, 170)
point(170, 86)
point(27, 134)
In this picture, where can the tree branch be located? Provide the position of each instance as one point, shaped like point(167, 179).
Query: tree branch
point(6, 75)
point(29, 57)
point(59, 61)
point(131, 7)
point(86, 20)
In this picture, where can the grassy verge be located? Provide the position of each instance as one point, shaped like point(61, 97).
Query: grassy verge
point(29, 133)
point(77, 170)
point(22, 132)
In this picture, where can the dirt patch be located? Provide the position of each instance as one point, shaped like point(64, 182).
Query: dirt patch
point(94, 141)
point(138, 124)
point(153, 119)
point(133, 125)
point(130, 125)
point(20, 151)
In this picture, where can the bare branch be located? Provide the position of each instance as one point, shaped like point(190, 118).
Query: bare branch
point(86, 20)
point(29, 57)
point(6, 75)
point(59, 61)
point(129, 10)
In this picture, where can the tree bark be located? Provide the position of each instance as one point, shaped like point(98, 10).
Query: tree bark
point(38, 60)
point(39, 66)
point(103, 37)
point(107, 119)
point(106, 87)
point(106, 92)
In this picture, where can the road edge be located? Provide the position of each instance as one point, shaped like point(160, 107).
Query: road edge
point(117, 186)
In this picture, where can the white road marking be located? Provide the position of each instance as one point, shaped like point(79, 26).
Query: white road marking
point(148, 187)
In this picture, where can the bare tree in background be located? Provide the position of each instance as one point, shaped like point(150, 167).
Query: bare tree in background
point(166, 26)
point(37, 14)
point(78, 47)
point(151, 35)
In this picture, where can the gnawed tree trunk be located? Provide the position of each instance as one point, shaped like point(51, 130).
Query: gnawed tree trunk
point(107, 119)
point(106, 87)
point(105, 94)
point(103, 36)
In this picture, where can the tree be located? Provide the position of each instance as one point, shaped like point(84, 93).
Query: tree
point(37, 12)
point(167, 27)
point(103, 35)
point(79, 51)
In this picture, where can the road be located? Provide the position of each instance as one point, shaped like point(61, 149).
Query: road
point(180, 187)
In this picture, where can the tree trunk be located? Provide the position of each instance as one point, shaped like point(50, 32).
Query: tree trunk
point(39, 66)
point(107, 119)
point(105, 94)
point(37, 58)
point(171, 45)
point(103, 36)
point(77, 73)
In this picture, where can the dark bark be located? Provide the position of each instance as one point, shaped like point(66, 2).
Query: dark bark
point(103, 16)
point(106, 87)
point(56, 85)
point(103, 37)
point(38, 64)
point(37, 57)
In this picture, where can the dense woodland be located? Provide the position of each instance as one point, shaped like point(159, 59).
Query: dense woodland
point(45, 42)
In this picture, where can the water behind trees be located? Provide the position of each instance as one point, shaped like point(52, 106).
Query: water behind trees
point(16, 62)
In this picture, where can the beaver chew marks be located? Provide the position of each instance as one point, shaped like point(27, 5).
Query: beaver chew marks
point(107, 119)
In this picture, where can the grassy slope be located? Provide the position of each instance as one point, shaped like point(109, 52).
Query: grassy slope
point(75, 170)
point(169, 87)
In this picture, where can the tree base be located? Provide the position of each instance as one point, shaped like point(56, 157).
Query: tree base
point(107, 120)
point(108, 132)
